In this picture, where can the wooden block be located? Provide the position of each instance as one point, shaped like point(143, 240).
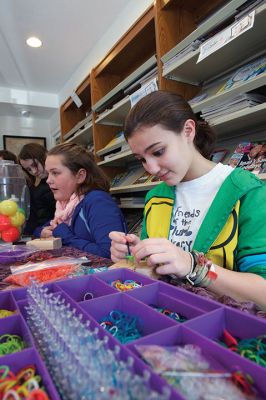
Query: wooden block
point(141, 267)
point(46, 244)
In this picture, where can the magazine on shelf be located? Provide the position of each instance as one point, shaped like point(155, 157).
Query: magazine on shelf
point(137, 227)
point(134, 219)
point(127, 177)
point(182, 53)
point(81, 124)
point(150, 74)
point(144, 178)
point(218, 155)
point(248, 7)
point(119, 138)
point(250, 156)
point(245, 73)
point(147, 88)
point(244, 100)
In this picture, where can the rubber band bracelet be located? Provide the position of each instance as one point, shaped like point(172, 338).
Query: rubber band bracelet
point(203, 271)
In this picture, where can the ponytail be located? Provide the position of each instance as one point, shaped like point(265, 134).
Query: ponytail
point(204, 138)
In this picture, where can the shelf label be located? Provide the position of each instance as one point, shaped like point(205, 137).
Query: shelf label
point(149, 87)
point(227, 35)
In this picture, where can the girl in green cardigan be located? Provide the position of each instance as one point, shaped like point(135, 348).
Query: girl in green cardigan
point(205, 223)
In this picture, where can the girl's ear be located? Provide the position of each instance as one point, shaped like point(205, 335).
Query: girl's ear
point(81, 175)
point(189, 129)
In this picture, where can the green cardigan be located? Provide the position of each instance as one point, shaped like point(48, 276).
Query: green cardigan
point(233, 232)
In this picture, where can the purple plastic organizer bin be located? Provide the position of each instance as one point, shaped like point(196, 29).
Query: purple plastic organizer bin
point(77, 288)
point(218, 357)
point(206, 320)
point(19, 294)
point(193, 299)
point(7, 302)
point(241, 325)
point(14, 325)
point(151, 295)
point(31, 357)
point(124, 274)
point(149, 321)
point(237, 323)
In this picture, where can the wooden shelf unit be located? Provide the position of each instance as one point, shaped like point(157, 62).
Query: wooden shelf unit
point(135, 48)
point(174, 37)
point(164, 29)
point(71, 115)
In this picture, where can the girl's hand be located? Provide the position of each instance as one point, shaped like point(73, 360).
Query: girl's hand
point(47, 232)
point(119, 248)
point(164, 256)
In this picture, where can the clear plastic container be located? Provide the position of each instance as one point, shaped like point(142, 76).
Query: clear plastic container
point(14, 201)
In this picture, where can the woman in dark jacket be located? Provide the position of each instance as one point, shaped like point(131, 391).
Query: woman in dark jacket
point(42, 204)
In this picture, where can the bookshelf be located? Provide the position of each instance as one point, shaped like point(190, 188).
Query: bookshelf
point(133, 57)
point(222, 62)
point(133, 188)
point(249, 122)
point(152, 43)
point(188, 70)
point(76, 123)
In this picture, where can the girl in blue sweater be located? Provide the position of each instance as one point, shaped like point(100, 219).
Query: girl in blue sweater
point(85, 212)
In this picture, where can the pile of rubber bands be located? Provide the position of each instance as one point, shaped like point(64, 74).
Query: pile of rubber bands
point(25, 385)
point(253, 349)
point(122, 326)
point(6, 313)
point(169, 313)
point(128, 284)
point(11, 344)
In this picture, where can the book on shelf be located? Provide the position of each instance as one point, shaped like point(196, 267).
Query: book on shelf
point(250, 156)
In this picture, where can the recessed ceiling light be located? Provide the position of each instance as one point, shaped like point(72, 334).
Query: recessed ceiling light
point(34, 42)
point(25, 113)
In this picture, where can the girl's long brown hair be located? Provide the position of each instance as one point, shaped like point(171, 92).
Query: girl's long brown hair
point(75, 157)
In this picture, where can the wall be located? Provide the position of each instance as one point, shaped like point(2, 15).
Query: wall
point(123, 22)
point(50, 128)
point(25, 127)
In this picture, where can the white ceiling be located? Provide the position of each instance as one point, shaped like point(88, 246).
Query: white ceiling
point(69, 30)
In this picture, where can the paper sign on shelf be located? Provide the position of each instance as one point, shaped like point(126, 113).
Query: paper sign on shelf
point(76, 99)
point(149, 87)
point(225, 36)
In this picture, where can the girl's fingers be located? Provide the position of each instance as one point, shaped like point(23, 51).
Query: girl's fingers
point(118, 237)
point(132, 239)
point(142, 251)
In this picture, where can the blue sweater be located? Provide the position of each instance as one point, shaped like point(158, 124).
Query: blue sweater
point(93, 219)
